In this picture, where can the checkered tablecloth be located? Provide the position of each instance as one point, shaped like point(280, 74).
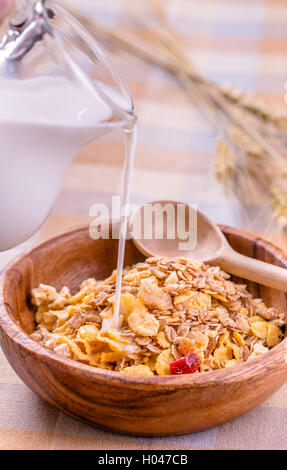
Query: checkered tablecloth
point(240, 42)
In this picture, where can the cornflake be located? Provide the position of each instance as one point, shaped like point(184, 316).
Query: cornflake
point(169, 308)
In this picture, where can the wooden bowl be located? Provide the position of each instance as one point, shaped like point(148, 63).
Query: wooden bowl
point(150, 406)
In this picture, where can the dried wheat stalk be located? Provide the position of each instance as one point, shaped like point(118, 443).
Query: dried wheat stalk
point(248, 129)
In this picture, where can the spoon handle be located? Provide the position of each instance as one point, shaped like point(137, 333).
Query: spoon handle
point(252, 269)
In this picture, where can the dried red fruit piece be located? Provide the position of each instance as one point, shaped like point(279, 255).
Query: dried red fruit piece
point(185, 365)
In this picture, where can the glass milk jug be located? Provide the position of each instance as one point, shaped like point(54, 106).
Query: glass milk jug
point(58, 92)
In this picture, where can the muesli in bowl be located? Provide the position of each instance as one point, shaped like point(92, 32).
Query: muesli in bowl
point(177, 316)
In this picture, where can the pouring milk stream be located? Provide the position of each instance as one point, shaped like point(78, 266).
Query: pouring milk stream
point(45, 120)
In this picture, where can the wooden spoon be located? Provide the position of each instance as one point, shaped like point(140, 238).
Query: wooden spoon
point(211, 247)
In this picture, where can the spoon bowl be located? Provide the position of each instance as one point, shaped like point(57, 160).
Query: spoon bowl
point(206, 239)
point(176, 229)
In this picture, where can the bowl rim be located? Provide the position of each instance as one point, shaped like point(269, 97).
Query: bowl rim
point(14, 332)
